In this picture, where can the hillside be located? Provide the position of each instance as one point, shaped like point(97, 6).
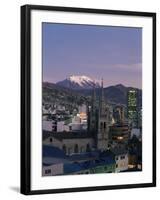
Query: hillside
point(114, 94)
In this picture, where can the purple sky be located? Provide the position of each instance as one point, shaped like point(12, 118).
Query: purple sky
point(114, 53)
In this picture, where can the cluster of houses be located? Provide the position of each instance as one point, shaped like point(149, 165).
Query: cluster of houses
point(72, 122)
point(87, 141)
point(84, 163)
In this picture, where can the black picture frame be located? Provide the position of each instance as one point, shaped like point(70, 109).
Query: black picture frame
point(26, 98)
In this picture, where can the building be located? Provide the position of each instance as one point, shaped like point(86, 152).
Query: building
point(135, 153)
point(47, 125)
point(121, 158)
point(118, 114)
point(120, 132)
point(70, 142)
point(99, 165)
point(98, 120)
point(62, 127)
point(132, 107)
point(136, 132)
point(52, 170)
point(53, 159)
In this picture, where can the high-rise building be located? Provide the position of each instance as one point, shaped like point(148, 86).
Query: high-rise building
point(132, 107)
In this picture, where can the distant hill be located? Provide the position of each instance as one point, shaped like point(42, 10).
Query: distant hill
point(113, 94)
point(118, 93)
point(53, 93)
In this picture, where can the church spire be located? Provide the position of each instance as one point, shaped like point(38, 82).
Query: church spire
point(102, 94)
point(102, 99)
point(92, 123)
point(103, 125)
point(94, 97)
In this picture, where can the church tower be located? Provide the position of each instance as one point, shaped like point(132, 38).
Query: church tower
point(103, 123)
point(93, 112)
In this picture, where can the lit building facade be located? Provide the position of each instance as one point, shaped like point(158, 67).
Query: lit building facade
point(132, 107)
point(120, 132)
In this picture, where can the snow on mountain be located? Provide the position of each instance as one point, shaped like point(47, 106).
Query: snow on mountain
point(78, 82)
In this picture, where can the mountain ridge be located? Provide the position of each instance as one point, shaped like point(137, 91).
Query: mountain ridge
point(113, 94)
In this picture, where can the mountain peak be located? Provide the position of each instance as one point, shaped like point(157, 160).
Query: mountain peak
point(119, 86)
point(77, 82)
point(80, 79)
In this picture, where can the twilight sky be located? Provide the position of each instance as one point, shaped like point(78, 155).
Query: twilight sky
point(111, 53)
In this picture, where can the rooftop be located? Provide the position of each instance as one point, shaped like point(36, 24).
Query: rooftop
point(75, 167)
point(67, 135)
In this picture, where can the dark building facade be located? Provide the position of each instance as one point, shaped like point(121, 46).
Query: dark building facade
point(118, 114)
point(98, 120)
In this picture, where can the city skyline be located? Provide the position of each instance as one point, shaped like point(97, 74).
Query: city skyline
point(111, 53)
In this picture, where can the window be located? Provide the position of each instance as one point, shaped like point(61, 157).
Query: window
point(64, 148)
point(82, 149)
point(116, 157)
point(69, 150)
point(47, 171)
point(76, 148)
point(101, 126)
point(104, 125)
point(88, 149)
point(122, 157)
point(51, 140)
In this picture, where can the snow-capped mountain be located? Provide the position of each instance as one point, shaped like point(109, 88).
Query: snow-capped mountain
point(78, 82)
